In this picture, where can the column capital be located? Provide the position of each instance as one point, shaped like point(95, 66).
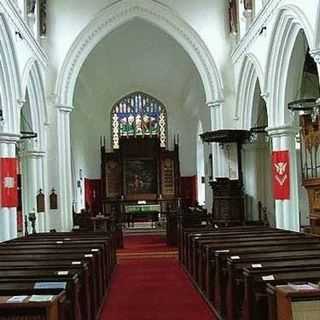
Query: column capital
point(33, 154)
point(64, 108)
point(21, 102)
point(7, 137)
point(315, 54)
point(215, 103)
point(282, 130)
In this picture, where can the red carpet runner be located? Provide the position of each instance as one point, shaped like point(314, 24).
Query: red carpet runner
point(150, 285)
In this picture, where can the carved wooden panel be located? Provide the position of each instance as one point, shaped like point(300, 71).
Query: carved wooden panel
point(167, 176)
point(113, 178)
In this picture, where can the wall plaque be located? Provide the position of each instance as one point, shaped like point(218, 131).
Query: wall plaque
point(53, 200)
point(40, 202)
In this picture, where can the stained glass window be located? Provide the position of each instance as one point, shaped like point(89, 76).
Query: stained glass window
point(139, 115)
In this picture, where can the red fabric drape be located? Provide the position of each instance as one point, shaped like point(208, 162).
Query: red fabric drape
point(93, 198)
point(189, 190)
point(281, 175)
point(8, 186)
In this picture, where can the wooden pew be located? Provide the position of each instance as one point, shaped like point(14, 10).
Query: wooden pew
point(280, 298)
point(220, 252)
point(67, 248)
point(290, 256)
point(198, 232)
point(77, 237)
point(70, 259)
point(14, 279)
point(235, 289)
point(255, 305)
point(253, 236)
point(194, 242)
point(89, 306)
point(82, 244)
point(64, 254)
point(33, 310)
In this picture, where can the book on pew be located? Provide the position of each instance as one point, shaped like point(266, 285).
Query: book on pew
point(17, 299)
point(40, 298)
point(298, 302)
point(50, 285)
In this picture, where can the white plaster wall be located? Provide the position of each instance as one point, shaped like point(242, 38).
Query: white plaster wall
point(207, 18)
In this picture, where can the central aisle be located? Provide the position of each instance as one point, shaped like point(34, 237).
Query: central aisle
point(149, 284)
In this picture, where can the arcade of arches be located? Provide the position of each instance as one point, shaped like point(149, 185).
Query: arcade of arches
point(138, 110)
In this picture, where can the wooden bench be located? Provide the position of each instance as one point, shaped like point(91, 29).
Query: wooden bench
point(31, 309)
point(83, 262)
point(227, 266)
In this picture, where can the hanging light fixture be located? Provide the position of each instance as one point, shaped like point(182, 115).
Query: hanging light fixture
point(306, 106)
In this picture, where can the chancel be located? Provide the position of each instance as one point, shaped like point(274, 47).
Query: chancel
point(159, 159)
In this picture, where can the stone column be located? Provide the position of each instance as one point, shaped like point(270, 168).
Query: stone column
point(287, 211)
point(8, 216)
point(32, 175)
point(64, 166)
point(255, 157)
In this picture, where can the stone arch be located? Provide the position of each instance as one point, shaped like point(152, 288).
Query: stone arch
point(9, 80)
point(32, 152)
point(251, 73)
point(33, 82)
point(153, 12)
point(289, 22)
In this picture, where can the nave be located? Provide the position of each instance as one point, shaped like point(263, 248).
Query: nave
point(149, 283)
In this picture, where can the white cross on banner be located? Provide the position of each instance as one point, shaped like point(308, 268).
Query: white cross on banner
point(8, 182)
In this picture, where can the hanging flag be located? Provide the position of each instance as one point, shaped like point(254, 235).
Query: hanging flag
point(8, 186)
point(281, 175)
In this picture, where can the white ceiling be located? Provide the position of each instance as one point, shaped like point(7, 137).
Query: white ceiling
point(136, 57)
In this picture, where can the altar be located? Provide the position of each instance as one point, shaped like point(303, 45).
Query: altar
point(145, 212)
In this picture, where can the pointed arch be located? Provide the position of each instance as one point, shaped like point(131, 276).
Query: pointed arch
point(121, 12)
point(33, 82)
point(289, 22)
point(9, 80)
point(250, 73)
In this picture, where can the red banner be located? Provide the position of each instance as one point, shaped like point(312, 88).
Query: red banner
point(281, 175)
point(8, 186)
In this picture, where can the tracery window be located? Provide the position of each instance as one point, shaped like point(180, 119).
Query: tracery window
point(139, 115)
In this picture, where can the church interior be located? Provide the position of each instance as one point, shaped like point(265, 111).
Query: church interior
point(159, 159)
